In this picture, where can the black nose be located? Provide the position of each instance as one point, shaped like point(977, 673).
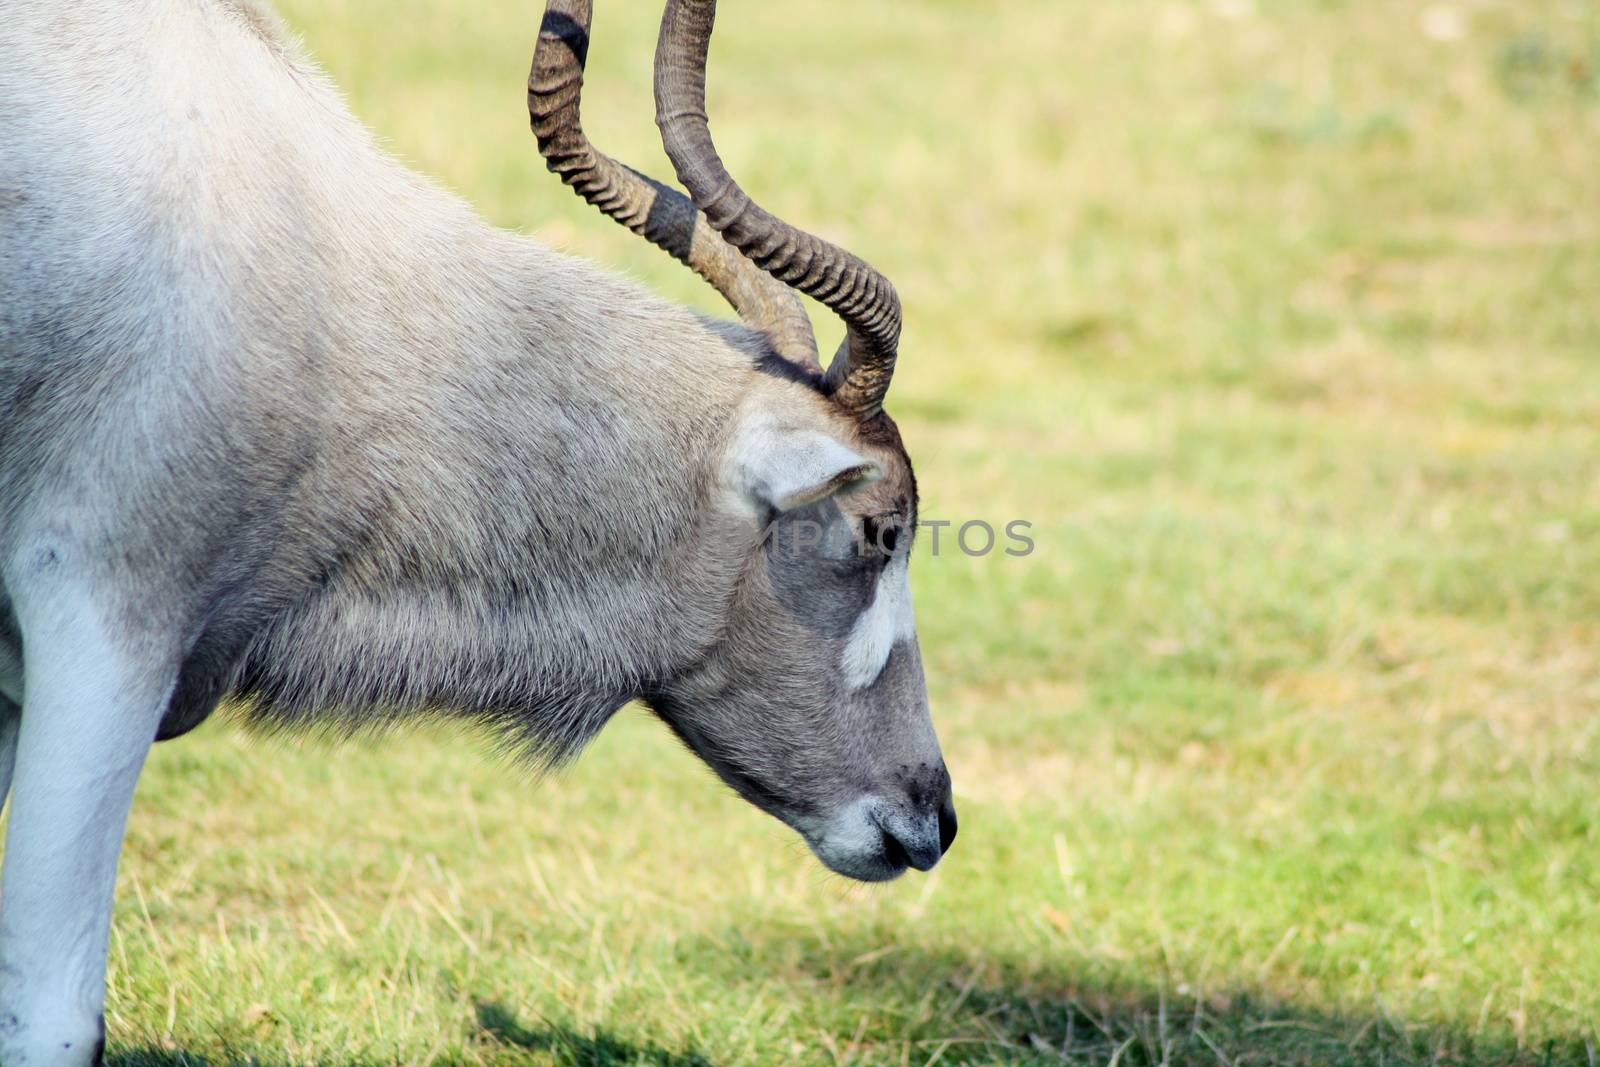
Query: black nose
point(909, 850)
point(918, 830)
point(911, 842)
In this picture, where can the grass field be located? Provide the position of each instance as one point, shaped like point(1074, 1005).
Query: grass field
point(1280, 321)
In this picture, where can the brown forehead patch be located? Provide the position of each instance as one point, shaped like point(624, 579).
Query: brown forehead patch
point(896, 491)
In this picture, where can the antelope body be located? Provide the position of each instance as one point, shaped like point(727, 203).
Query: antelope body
point(282, 421)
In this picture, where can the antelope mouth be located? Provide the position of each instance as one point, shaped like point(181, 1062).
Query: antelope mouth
point(872, 840)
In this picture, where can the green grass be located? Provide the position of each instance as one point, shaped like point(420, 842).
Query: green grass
point(1281, 323)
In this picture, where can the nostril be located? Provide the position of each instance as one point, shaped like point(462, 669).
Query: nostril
point(894, 853)
point(947, 825)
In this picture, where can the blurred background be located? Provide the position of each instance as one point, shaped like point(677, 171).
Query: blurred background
point(1280, 322)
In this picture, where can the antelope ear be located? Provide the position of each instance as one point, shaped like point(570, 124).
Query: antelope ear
point(788, 469)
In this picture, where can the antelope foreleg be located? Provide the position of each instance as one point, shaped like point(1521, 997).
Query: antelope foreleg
point(92, 699)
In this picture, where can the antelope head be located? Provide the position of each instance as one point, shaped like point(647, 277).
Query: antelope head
point(811, 703)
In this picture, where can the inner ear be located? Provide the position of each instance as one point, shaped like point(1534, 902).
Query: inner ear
point(787, 469)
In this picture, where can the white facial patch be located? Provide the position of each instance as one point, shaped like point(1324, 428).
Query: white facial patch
point(888, 619)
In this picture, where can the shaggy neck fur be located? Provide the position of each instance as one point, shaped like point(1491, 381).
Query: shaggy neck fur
point(533, 508)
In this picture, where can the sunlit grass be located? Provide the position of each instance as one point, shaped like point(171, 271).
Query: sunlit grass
point(1280, 321)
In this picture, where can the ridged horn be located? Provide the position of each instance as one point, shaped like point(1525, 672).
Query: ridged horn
point(661, 215)
point(861, 370)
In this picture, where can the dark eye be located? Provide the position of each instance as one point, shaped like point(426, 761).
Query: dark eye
point(880, 533)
